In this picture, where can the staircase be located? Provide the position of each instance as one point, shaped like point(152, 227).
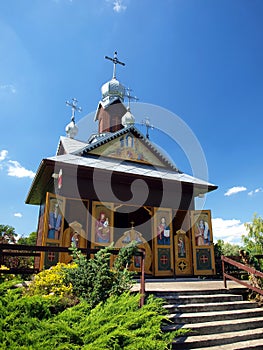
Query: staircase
point(218, 319)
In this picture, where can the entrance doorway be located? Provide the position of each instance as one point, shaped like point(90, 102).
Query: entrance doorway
point(134, 223)
point(183, 265)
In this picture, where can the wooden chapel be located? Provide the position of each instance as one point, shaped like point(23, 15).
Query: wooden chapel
point(118, 187)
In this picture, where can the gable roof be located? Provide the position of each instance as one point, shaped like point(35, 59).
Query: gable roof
point(68, 145)
point(130, 168)
point(72, 153)
point(87, 149)
point(46, 169)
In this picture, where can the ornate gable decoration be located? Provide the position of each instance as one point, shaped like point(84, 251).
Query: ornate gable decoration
point(128, 147)
point(129, 144)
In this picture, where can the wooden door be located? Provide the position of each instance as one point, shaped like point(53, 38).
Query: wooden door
point(202, 241)
point(163, 242)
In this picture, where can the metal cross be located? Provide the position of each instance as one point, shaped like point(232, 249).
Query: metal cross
point(74, 107)
point(115, 62)
point(148, 125)
point(128, 95)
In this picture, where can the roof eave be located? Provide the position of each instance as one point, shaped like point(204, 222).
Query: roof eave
point(36, 183)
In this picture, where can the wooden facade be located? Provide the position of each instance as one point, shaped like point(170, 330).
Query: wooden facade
point(97, 205)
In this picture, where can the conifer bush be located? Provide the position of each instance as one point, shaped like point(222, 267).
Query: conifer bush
point(48, 316)
point(121, 324)
point(118, 323)
point(94, 280)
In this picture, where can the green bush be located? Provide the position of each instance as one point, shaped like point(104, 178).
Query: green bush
point(7, 285)
point(29, 323)
point(94, 280)
point(105, 318)
point(121, 324)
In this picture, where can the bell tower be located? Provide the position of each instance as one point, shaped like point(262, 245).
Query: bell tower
point(111, 108)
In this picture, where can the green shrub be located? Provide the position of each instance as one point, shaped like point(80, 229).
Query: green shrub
point(29, 323)
point(106, 318)
point(116, 324)
point(23, 316)
point(121, 324)
point(92, 279)
point(6, 285)
point(95, 281)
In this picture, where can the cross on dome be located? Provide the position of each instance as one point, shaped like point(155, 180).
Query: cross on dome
point(115, 62)
point(74, 107)
point(129, 97)
point(148, 125)
point(71, 128)
point(128, 119)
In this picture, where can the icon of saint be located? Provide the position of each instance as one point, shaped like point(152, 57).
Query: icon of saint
point(181, 247)
point(102, 229)
point(75, 239)
point(55, 220)
point(202, 233)
point(163, 232)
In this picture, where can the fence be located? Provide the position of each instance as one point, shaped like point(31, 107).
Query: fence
point(22, 250)
point(241, 267)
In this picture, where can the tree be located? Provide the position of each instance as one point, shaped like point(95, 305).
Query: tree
point(253, 241)
point(7, 234)
point(224, 248)
point(30, 240)
point(230, 249)
point(227, 249)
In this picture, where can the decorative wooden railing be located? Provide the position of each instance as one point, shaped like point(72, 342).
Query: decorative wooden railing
point(242, 267)
point(13, 250)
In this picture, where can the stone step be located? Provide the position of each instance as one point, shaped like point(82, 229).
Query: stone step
point(197, 317)
point(202, 307)
point(162, 294)
point(216, 319)
point(216, 327)
point(217, 340)
point(256, 344)
point(203, 299)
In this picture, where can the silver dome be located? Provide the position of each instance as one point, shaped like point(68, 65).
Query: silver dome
point(113, 88)
point(71, 129)
point(128, 119)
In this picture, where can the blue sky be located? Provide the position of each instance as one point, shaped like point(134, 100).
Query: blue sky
point(200, 59)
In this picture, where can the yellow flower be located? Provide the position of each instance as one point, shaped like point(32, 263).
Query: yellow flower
point(52, 281)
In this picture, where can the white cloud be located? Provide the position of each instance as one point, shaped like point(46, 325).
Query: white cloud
point(228, 230)
point(13, 167)
point(3, 154)
point(118, 6)
point(257, 190)
point(17, 170)
point(234, 190)
point(8, 87)
point(18, 215)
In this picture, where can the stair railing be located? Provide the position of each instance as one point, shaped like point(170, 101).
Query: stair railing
point(243, 267)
